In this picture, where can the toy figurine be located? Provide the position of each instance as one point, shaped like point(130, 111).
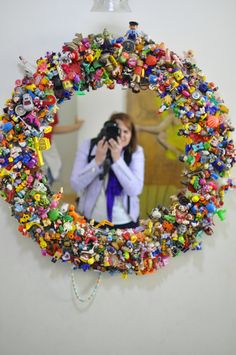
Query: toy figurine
point(133, 33)
point(137, 74)
point(131, 37)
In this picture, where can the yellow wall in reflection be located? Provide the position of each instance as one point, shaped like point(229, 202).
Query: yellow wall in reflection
point(161, 149)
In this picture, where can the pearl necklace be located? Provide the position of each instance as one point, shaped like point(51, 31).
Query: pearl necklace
point(92, 294)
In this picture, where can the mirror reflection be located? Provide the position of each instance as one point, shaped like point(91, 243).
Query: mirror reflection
point(157, 134)
point(108, 174)
point(158, 145)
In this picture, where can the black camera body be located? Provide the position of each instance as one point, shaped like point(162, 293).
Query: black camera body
point(109, 130)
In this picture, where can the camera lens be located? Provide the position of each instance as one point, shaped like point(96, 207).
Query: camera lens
point(111, 130)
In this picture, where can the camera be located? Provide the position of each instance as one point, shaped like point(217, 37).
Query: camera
point(109, 130)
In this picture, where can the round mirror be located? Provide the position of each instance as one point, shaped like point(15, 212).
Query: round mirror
point(203, 130)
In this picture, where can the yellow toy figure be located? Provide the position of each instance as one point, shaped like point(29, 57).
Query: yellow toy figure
point(138, 74)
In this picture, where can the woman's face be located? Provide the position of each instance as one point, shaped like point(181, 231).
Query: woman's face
point(125, 133)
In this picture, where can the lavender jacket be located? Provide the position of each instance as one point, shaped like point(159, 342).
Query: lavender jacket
point(85, 180)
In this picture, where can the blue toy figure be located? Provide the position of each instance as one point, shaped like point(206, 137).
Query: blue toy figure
point(133, 33)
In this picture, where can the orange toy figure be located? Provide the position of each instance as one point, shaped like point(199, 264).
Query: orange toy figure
point(56, 199)
point(103, 223)
point(168, 226)
point(76, 217)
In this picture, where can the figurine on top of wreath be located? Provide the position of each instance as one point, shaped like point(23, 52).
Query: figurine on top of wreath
point(135, 39)
point(108, 60)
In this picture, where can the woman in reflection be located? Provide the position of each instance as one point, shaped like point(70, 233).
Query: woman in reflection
point(108, 174)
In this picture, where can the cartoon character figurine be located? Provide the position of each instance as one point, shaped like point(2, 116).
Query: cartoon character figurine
point(131, 37)
point(137, 75)
point(133, 33)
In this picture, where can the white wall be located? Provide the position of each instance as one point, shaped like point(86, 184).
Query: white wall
point(95, 107)
point(186, 308)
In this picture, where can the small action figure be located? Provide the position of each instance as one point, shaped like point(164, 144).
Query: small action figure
point(133, 33)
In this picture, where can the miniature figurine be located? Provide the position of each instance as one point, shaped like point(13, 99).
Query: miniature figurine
point(133, 33)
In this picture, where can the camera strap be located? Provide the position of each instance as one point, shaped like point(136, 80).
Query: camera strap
point(93, 142)
point(127, 159)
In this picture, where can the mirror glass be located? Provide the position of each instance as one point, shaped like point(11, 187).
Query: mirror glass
point(157, 134)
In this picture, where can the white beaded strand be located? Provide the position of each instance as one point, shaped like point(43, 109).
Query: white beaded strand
point(92, 293)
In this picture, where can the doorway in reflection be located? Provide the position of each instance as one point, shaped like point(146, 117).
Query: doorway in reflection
point(157, 134)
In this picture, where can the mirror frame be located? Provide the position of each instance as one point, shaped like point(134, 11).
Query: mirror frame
point(89, 63)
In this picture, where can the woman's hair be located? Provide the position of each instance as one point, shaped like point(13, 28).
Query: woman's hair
point(128, 122)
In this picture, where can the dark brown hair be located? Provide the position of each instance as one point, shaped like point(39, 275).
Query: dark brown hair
point(128, 122)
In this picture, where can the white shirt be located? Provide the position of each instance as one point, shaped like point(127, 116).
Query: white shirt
point(119, 214)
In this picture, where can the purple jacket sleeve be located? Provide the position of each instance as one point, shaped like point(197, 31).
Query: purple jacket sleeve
point(131, 177)
point(83, 173)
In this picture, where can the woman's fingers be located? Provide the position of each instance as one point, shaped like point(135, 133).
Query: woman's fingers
point(105, 146)
point(102, 145)
point(101, 142)
point(113, 143)
point(102, 148)
point(115, 149)
point(78, 121)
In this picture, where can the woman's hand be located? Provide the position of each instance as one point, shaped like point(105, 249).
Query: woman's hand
point(58, 129)
point(78, 122)
point(101, 151)
point(116, 148)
